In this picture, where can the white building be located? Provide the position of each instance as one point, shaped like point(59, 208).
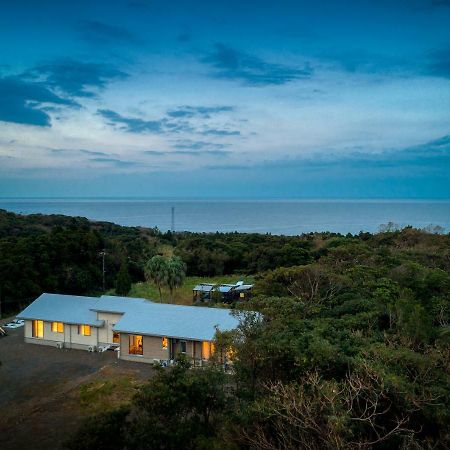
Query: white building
point(144, 330)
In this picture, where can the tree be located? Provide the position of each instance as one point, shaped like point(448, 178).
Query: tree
point(178, 408)
point(123, 280)
point(156, 270)
point(176, 273)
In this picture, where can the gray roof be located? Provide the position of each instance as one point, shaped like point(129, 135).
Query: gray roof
point(204, 287)
point(226, 287)
point(244, 287)
point(189, 322)
point(140, 316)
point(63, 308)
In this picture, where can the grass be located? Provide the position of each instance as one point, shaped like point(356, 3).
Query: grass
point(182, 295)
point(102, 395)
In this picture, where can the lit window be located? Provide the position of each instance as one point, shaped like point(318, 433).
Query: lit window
point(136, 346)
point(38, 329)
point(116, 338)
point(57, 327)
point(207, 349)
point(165, 341)
point(84, 330)
point(183, 346)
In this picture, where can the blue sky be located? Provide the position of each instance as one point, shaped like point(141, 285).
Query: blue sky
point(225, 99)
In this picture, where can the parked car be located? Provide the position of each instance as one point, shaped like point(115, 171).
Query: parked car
point(16, 323)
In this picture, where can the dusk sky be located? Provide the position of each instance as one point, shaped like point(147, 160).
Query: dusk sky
point(225, 98)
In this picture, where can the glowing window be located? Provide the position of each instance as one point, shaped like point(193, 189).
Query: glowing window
point(165, 342)
point(38, 329)
point(136, 345)
point(84, 330)
point(116, 338)
point(57, 327)
point(207, 349)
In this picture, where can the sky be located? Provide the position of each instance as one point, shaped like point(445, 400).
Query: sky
point(234, 99)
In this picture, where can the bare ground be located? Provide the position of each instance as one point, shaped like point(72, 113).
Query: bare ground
point(45, 392)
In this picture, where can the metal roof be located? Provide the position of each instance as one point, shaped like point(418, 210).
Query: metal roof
point(226, 287)
point(189, 322)
point(140, 316)
point(63, 308)
point(204, 287)
point(244, 287)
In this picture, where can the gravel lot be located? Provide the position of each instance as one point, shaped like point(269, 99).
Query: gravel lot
point(39, 386)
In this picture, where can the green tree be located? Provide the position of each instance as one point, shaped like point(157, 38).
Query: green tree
point(123, 280)
point(156, 270)
point(178, 408)
point(176, 273)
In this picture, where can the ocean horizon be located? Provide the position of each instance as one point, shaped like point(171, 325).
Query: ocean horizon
point(276, 216)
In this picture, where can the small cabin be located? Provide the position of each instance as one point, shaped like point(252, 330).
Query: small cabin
point(226, 293)
point(202, 292)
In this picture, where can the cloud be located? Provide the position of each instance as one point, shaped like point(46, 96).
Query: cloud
point(114, 162)
point(75, 78)
point(176, 121)
point(22, 101)
point(65, 151)
point(97, 32)
point(154, 152)
point(131, 124)
point(199, 145)
point(354, 61)
point(234, 65)
point(221, 153)
point(432, 156)
point(198, 111)
point(217, 132)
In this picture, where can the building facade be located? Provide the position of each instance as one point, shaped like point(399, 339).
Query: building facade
point(140, 329)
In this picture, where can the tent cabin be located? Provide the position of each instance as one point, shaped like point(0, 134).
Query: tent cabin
point(226, 293)
point(143, 330)
point(202, 292)
point(243, 291)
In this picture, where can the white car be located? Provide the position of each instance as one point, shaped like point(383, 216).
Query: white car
point(16, 323)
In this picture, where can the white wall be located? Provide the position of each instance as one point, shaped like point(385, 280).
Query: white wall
point(105, 333)
point(70, 337)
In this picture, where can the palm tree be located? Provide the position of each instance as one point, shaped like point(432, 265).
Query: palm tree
point(156, 270)
point(176, 274)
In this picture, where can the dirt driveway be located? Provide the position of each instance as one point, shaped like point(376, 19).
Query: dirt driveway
point(40, 385)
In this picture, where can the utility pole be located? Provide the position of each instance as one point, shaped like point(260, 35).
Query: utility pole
point(103, 254)
point(173, 219)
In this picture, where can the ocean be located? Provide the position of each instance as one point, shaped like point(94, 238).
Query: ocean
point(287, 217)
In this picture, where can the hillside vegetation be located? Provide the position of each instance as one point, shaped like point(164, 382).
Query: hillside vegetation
point(351, 349)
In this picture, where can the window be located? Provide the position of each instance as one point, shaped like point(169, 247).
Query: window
point(165, 341)
point(116, 338)
point(136, 345)
point(57, 327)
point(183, 346)
point(38, 329)
point(85, 330)
point(207, 349)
